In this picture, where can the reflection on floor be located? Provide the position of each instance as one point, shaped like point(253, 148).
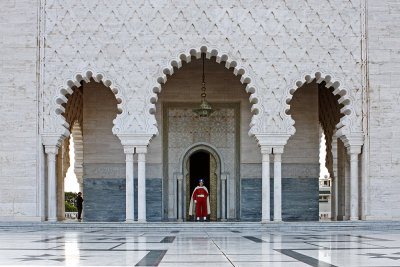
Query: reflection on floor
point(200, 248)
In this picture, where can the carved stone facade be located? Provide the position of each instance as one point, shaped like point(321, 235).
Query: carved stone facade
point(349, 48)
point(275, 46)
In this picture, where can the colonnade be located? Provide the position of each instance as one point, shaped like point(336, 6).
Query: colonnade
point(130, 151)
point(266, 152)
point(351, 179)
point(351, 188)
point(51, 147)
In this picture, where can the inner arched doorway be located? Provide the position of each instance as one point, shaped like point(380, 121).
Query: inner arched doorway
point(202, 165)
point(203, 160)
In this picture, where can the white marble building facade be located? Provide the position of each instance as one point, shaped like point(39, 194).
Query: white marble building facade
point(52, 48)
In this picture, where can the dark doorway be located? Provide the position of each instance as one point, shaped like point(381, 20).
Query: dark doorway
point(199, 169)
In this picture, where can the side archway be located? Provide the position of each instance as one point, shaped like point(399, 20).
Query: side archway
point(55, 123)
point(348, 110)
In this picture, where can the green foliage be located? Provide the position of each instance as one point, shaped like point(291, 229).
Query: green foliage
point(70, 208)
point(70, 197)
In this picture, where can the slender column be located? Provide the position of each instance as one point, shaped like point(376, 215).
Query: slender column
point(223, 197)
point(334, 180)
point(334, 199)
point(354, 151)
point(130, 193)
point(51, 152)
point(346, 188)
point(141, 151)
point(180, 196)
point(266, 211)
point(278, 184)
point(364, 189)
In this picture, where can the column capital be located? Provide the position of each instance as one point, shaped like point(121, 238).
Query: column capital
point(129, 149)
point(266, 149)
point(51, 142)
point(50, 149)
point(353, 149)
point(352, 139)
point(271, 139)
point(278, 150)
point(141, 149)
point(135, 139)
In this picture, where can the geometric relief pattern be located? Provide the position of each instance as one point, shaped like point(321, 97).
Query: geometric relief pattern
point(185, 128)
point(272, 44)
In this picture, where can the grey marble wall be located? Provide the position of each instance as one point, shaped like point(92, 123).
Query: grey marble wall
point(105, 199)
point(117, 170)
point(299, 199)
point(289, 170)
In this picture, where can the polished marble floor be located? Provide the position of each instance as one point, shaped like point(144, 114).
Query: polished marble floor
point(58, 247)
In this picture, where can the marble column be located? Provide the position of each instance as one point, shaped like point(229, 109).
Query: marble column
point(130, 193)
point(223, 197)
point(334, 179)
point(346, 188)
point(141, 151)
point(334, 198)
point(180, 196)
point(354, 151)
point(265, 206)
point(51, 152)
point(278, 183)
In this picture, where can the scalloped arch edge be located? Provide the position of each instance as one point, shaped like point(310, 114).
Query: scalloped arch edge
point(56, 110)
point(221, 58)
point(343, 127)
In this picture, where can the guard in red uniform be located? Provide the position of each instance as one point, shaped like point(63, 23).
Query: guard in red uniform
point(200, 198)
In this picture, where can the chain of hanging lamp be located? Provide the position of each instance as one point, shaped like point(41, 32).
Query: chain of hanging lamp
point(205, 108)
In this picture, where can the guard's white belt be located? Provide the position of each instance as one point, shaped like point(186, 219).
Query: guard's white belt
point(200, 195)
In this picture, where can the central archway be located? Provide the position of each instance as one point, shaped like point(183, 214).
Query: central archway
point(216, 180)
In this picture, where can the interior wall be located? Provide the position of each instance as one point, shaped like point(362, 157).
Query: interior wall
point(301, 153)
point(100, 145)
point(103, 156)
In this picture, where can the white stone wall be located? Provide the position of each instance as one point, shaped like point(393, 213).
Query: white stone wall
point(303, 146)
point(19, 164)
point(384, 110)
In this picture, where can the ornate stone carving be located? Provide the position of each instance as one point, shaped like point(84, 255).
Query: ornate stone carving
point(269, 43)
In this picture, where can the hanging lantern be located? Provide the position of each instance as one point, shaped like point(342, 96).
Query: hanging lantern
point(205, 108)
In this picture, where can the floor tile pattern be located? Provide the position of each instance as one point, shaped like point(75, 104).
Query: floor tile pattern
point(224, 247)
